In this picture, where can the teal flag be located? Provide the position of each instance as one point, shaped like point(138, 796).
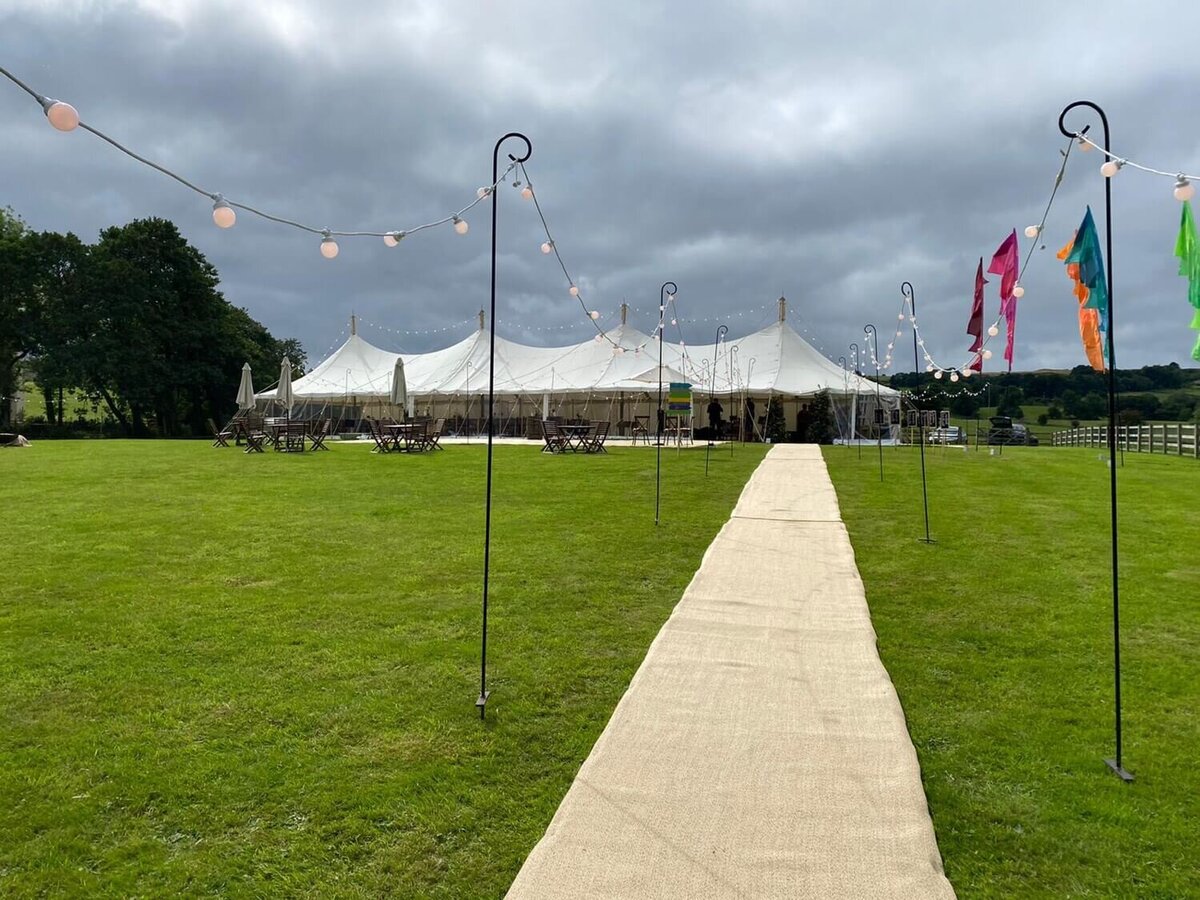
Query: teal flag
point(1090, 258)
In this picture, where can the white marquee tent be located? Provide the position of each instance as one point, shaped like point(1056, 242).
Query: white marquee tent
point(773, 364)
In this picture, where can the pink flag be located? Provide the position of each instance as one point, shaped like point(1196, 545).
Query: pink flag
point(975, 325)
point(1007, 263)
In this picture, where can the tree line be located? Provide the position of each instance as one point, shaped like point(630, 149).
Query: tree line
point(135, 322)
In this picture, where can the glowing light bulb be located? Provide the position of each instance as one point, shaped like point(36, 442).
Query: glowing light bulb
point(1018, 290)
point(1032, 231)
point(329, 247)
point(929, 367)
point(573, 290)
point(1184, 190)
point(547, 246)
point(987, 354)
point(61, 115)
point(993, 331)
point(595, 314)
point(891, 347)
point(954, 376)
point(392, 238)
point(674, 322)
point(223, 214)
point(967, 373)
point(527, 191)
point(1111, 168)
point(938, 374)
point(483, 192)
point(900, 317)
point(460, 225)
point(599, 338)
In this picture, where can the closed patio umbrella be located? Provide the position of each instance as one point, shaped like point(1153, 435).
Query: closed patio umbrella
point(283, 393)
point(245, 394)
point(399, 384)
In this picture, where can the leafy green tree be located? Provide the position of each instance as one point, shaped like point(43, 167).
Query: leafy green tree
point(821, 426)
point(1010, 403)
point(20, 311)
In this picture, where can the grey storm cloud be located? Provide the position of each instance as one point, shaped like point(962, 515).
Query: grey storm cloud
point(821, 151)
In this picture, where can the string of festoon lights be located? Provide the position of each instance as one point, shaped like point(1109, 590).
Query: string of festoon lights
point(412, 332)
point(64, 117)
point(907, 313)
point(1184, 188)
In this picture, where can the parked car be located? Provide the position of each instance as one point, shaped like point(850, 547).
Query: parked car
point(1006, 432)
point(947, 434)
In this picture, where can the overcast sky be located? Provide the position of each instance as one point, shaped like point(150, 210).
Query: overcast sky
point(823, 151)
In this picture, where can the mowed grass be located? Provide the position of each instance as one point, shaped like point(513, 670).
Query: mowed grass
point(256, 675)
point(999, 641)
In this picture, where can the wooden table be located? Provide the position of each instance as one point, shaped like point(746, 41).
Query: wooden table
point(288, 437)
point(576, 435)
point(411, 433)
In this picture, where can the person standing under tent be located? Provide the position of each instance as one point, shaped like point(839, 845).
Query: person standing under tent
point(714, 416)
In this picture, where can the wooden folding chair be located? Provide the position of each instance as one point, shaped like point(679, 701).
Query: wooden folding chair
point(556, 441)
point(319, 434)
point(221, 436)
point(594, 443)
point(254, 440)
point(434, 435)
point(383, 441)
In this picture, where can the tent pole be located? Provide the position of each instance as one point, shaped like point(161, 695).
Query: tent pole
point(481, 702)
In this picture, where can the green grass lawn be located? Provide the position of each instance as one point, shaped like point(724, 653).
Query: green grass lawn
point(256, 675)
point(999, 641)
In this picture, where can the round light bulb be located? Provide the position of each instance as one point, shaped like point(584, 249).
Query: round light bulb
point(599, 338)
point(62, 115)
point(483, 192)
point(547, 246)
point(595, 314)
point(329, 247)
point(1084, 146)
point(987, 354)
point(392, 238)
point(527, 191)
point(1032, 231)
point(993, 331)
point(967, 373)
point(938, 374)
point(891, 347)
point(1018, 290)
point(954, 376)
point(929, 367)
point(1111, 168)
point(674, 322)
point(573, 291)
point(223, 214)
point(460, 225)
point(900, 317)
point(1184, 190)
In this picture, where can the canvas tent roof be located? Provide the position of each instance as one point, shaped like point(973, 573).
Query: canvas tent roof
point(774, 360)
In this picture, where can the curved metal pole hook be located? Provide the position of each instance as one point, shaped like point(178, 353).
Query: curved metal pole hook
point(1089, 105)
point(517, 159)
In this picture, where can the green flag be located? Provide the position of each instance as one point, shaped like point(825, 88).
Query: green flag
point(1188, 251)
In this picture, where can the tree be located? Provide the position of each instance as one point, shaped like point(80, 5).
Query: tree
point(821, 427)
point(1010, 403)
point(20, 312)
point(965, 404)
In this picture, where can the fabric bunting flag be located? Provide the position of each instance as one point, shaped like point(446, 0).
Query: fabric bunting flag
point(1087, 255)
point(1007, 264)
point(1089, 319)
point(975, 325)
point(1188, 251)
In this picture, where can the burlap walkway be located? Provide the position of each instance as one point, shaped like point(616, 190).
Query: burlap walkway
point(760, 750)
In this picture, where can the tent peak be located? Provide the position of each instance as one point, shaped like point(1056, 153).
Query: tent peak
point(783, 309)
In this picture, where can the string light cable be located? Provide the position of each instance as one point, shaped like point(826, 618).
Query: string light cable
point(1184, 187)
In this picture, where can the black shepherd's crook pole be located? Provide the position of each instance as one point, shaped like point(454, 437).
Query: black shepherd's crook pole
point(712, 395)
point(870, 331)
point(857, 374)
point(487, 515)
point(1115, 763)
point(907, 290)
point(668, 289)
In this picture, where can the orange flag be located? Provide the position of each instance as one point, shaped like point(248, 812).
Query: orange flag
point(1089, 319)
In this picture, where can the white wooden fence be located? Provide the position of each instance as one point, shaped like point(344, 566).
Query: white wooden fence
point(1174, 438)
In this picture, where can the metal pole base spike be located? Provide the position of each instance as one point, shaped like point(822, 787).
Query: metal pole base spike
point(1117, 770)
point(481, 703)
